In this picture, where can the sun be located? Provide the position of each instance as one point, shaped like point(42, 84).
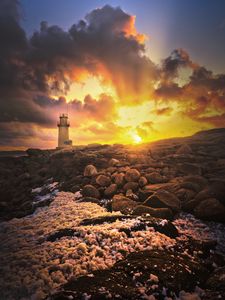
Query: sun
point(137, 139)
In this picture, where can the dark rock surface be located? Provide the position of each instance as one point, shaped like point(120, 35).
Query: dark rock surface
point(162, 226)
point(158, 273)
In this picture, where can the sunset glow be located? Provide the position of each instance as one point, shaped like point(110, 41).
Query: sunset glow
point(102, 72)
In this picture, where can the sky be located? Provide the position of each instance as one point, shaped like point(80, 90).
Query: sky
point(126, 71)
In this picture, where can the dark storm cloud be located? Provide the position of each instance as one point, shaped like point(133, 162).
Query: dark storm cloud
point(105, 44)
point(179, 58)
point(202, 97)
point(101, 109)
point(13, 46)
point(203, 77)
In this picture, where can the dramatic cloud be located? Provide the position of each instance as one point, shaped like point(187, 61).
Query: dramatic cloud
point(179, 58)
point(37, 73)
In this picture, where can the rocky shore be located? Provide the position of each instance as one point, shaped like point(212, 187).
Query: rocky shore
point(161, 178)
point(115, 221)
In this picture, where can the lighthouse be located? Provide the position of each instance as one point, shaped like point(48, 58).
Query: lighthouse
point(63, 133)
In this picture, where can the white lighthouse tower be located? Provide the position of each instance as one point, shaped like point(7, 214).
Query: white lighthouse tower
point(63, 134)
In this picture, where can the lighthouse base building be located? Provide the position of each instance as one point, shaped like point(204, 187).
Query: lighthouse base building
point(63, 132)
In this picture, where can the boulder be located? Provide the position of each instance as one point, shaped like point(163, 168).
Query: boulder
point(204, 194)
point(190, 186)
point(130, 186)
point(155, 177)
point(132, 175)
point(165, 199)
point(90, 170)
point(103, 180)
point(114, 162)
point(142, 181)
point(169, 186)
point(144, 194)
point(111, 170)
point(190, 205)
point(118, 178)
point(123, 204)
point(89, 199)
point(163, 213)
point(210, 209)
point(90, 191)
point(110, 190)
point(214, 190)
point(185, 194)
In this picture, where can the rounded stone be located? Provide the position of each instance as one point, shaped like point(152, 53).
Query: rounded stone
point(90, 170)
point(130, 186)
point(132, 175)
point(103, 180)
point(142, 181)
point(110, 190)
point(90, 191)
point(118, 178)
point(113, 162)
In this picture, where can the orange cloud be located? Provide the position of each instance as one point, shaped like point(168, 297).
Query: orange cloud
point(141, 100)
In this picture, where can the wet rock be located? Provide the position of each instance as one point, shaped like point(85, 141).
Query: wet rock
point(173, 272)
point(90, 191)
point(210, 209)
point(104, 219)
point(132, 175)
point(118, 178)
point(163, 226)
point(90, 171)
point(144, 194)
point(142, 181)
point(123, 204)
point(103, 180)
point(160, 225)
point(162, 199)
point(110, 190)
point(162, 213)
point(130, 186)
point(155, 177)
